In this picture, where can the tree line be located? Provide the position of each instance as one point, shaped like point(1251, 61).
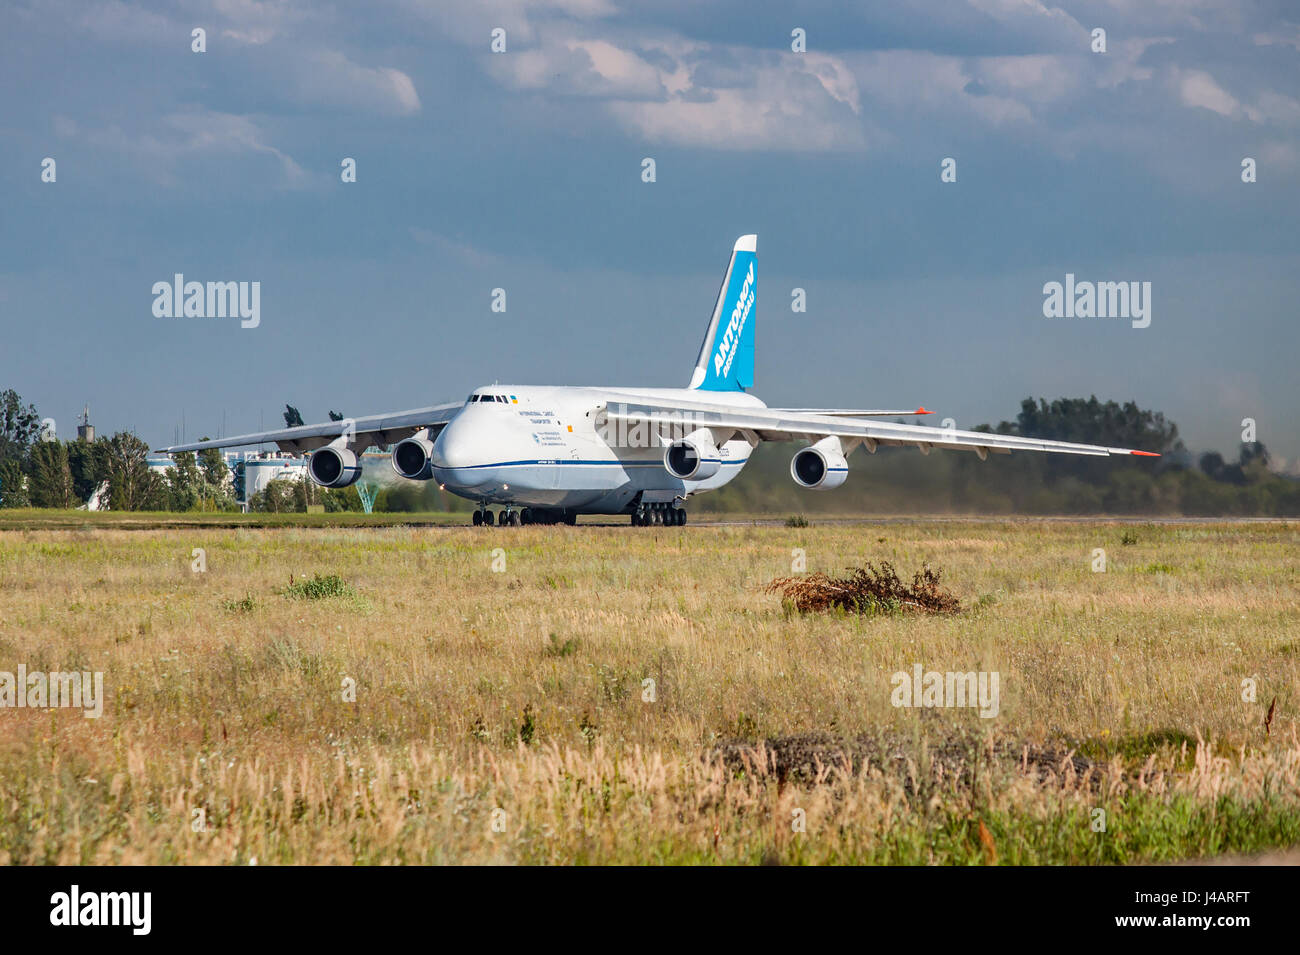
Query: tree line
point(39, 471)
point(901, 480)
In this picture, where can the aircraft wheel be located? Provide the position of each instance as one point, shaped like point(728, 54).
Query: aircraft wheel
point(570, 518)
point(513, 518)
point(657, 517)
point(526, 515)
point(681, 517)
point(478, 518)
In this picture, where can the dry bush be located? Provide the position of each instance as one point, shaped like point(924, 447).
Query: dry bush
point(867, 590)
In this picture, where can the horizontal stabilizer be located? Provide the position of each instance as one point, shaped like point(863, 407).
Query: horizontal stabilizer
point(852, 412)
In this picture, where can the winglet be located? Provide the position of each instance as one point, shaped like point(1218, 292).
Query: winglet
point(1145, 454)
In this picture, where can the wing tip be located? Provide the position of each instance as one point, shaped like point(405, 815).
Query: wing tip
point(1145, 454)
point(921, 410)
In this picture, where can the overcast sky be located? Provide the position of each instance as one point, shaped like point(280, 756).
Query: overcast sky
point(522, 170)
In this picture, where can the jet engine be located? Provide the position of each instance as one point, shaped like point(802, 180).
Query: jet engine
point(821, 466)
point(412, 458)
point(693, 458)
point(332, 466)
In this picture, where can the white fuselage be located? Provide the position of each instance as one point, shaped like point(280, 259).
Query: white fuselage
point(546, 446)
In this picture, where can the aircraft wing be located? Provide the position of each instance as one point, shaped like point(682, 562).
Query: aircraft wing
point(778, 424)
point(377, 429)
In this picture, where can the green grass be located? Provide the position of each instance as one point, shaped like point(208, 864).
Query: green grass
point(319, 587)
point(51, 519)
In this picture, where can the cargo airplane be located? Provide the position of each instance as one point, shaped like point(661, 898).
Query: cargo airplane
point(545, 454)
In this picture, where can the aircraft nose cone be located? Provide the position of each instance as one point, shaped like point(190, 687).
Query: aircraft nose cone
point(454, 448)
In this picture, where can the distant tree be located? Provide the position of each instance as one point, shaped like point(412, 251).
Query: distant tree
point(131, 485)
point(336, 416)
point(1089, 421)
point(284, 495)
point(278, 497)
point(1252, 452)
point(292, 419)
point(50, 484)
point(1251, 465)
point(1211, 464)
point(213, 466)
point(306, 493)
point(344, 499)
point(88, 462)
point(184, 484)
point(13, 484)
point(19, 426)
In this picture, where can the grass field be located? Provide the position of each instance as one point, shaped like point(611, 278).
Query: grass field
point(502, 712)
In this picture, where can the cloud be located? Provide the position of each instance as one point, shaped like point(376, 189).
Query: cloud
point(117, 21)
point(666, 89)
point(570, 66)
point(1197, 88)
point(1274, 107)
point(203, 131)
point(327, 77)
point(186, 135)
point(287, 58)
point(456, 250)
point(791, 102)
point(908, 80)
point(1038, 78)
point(1289, 36)
point(1049, 26)
point(470, 22)
point(256, 23)
point(668, 78)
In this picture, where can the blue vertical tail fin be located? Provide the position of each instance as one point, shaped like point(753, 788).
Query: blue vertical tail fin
point(726, 361)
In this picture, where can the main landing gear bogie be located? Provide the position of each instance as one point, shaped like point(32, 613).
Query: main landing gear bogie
point(658, 515)
point(528, 515)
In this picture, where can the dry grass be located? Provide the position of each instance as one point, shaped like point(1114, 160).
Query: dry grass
point(866, 590)
point(1120, 690)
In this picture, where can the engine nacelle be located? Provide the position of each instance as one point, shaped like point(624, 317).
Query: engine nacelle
point(821, 466)
point(412, 458)
point(693, 458)
point(333, 467)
